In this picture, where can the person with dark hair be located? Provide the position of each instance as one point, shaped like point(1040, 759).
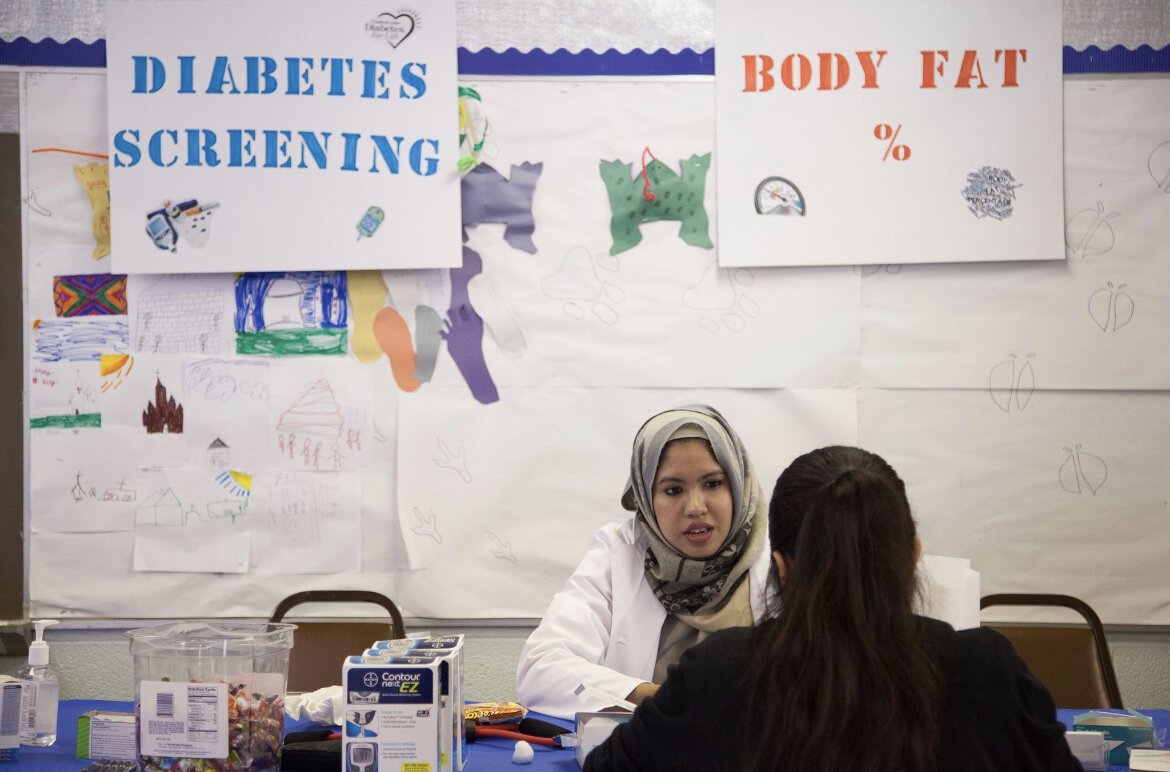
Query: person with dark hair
point(844, 675)
point(691, 560)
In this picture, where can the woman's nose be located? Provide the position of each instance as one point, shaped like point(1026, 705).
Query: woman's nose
point(696, 503)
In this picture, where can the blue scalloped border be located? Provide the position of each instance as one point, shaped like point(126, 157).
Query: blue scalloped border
point(23, 52)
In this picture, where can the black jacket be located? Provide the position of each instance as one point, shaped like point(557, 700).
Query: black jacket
point(998, 717)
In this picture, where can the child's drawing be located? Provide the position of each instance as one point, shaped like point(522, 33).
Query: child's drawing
point(77, 340)
point(312, 431)
point(490, 197)
point(502, 548)
point(1082, 471)
point(720, 293)
point(173, 317)
point(292, 513)
point(455, 460)
point(657, 193)
point(162, 507)
point(164, 414)
point(102, 294)
point(115, 368)
point(581, 288)
point(1089, 233)
point(1111, 308)
point(426, 526)
point(1012, 383)
point(291, 314)
point(1159, 166)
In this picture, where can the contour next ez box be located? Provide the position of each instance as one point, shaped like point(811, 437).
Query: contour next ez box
point(404, 705)
point(392, 717)
point(449, 649)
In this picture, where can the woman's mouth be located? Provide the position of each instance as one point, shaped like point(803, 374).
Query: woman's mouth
point(698, 534)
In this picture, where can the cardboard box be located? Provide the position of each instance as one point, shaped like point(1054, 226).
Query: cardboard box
point(106, 735)
point(11, 697)
point(1123, 730)
point(403, 707)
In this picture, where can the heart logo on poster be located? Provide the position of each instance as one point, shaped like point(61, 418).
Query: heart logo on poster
point(394, 28)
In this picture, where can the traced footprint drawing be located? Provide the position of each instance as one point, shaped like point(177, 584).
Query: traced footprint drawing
point(497, 315)
point(718, 291)
point(578, 284)
point(426, 526)
point(367, 295)
point(1008, 384)
point(1111, 308)
point(393, 337)
point(1082, 470)
point(1159, 166)
point(35, 206)
point(428, 327)
point(1088, 233)
point(455, 460)
point(503, 548)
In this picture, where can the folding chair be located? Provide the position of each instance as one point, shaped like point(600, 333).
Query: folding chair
point(1071, 660)
point(320, 646)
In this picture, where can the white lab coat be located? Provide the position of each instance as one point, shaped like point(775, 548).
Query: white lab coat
point(602, 629)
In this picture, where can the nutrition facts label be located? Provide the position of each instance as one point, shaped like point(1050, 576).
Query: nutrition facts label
point(188, 720)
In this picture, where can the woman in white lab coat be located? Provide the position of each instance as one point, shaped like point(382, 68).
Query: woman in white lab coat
point(693, 559)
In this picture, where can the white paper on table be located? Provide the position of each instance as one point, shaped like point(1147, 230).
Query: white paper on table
point(319, 416)
point(509, 497)
point(950, 591)
point(172, 551)
point(307, 523)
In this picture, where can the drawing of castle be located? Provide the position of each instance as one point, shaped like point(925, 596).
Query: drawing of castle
point(164, 414)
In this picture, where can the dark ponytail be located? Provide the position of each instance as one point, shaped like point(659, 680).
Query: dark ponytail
point(840, 678)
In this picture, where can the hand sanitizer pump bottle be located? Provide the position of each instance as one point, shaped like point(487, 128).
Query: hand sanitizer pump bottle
point(38, 725)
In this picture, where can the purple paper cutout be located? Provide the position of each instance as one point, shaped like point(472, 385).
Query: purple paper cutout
point(463, 331)
point(490, 197)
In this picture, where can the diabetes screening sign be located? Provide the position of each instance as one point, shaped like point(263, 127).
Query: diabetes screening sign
point(909, 131)
point(277, 136)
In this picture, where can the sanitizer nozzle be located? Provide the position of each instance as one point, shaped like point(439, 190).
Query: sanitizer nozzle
point(38, 650)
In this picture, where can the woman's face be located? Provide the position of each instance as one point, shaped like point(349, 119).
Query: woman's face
point(692, 498)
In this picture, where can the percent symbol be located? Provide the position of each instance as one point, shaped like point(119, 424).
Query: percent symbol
point(885, 131)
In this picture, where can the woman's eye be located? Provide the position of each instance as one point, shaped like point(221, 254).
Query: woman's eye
point(673, 490)
point(714, 483)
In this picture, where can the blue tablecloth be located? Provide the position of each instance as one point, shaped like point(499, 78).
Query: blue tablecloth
point(486, 755)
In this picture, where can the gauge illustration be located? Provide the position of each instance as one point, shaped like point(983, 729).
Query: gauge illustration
point(776, 195)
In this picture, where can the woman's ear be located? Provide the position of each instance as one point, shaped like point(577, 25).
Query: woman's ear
point(917, 550)
point(781, 566)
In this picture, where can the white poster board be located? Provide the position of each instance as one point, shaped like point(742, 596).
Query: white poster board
point(282, 136)
point(908, 132)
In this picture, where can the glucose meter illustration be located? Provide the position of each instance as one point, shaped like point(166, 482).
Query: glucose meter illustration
point(370, 222)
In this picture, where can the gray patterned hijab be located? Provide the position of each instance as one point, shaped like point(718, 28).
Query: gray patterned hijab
point(690, 586)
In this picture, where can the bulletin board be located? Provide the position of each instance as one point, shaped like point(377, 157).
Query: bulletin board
point(205, 445)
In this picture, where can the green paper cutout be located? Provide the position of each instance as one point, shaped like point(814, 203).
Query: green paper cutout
point(676, 197)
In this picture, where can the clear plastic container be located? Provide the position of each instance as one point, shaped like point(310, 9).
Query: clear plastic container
point(210, 694)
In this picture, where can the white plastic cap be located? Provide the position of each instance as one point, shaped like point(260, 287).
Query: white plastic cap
point(38, 650)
